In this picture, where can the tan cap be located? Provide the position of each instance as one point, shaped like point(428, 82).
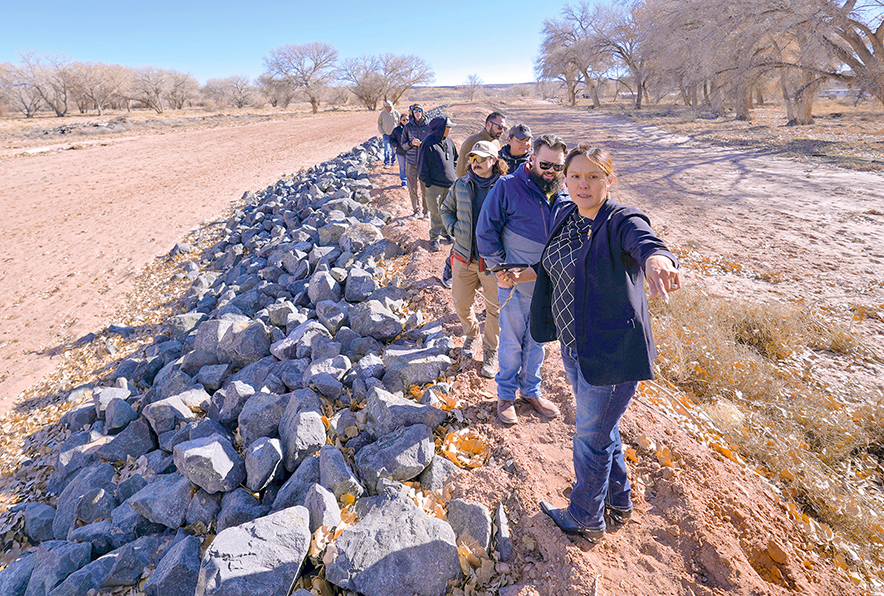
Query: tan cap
point(484, 149)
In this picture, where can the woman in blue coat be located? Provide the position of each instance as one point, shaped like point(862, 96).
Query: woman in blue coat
point(590, 296)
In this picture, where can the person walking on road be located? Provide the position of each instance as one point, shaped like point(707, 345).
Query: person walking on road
point(388, 119)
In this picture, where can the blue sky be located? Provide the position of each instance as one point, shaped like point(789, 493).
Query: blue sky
point(496, 40)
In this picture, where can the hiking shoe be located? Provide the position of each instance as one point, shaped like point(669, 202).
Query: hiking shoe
point(489, 364)
point(543, 406)
point(435, 245)
point(425, 215)
point(447, 278)
point(506, 411)
point(469, 347)
point(617, 517)
point(404, 183)
point(569, 525)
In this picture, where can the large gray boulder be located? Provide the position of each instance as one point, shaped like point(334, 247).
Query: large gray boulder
point(438, 473)
point(387, 412)
point(203, 508)
point(323, 286)
point(470, 519)
point(227, 404)
point(294, 491)
point(258, 557)
point(211, 463)
point(180, 325)
point(260, 415)
point(263, 463)
point(400, 455)
point(301, 428)
point(299, 343)
point(136, 440)
point(165, 414)
point(336, 475)
point(360, 285)
point(395, 550)
point(412, 366)
point(38, 522)
point(323, 507)
point(55, 560)
point(246, 344)
point(178, 570)
point(373, 318)
point(164, 501)
point(14, 578)
point(118, 415)
point(358, 237)
point(97, 476)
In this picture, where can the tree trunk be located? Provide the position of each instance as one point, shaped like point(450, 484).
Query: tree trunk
point(742, 100)
point(638, 88)
point(759, 97)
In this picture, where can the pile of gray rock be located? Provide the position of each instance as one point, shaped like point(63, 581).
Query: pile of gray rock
point(276, 398)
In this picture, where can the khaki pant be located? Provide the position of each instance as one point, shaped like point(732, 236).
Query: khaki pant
point(418, 204)
point(435, 195)
point(465, 281)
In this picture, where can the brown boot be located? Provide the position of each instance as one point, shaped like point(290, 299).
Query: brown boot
point(506, 411)
point(489, 364)
point(543, 406)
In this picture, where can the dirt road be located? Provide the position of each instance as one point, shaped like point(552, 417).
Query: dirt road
point(78, 224)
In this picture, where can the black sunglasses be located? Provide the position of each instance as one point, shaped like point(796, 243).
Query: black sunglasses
point(548, 165)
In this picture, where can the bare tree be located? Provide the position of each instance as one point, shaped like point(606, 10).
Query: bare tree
point(17, 90)
point(473, 85)
point(556, 63)
point(52, 77)
point(402, 72)
point(97, 85)
point(182, 88)
point(150, 85)
point(366, 79)
point(277, 91)
point(308, 67)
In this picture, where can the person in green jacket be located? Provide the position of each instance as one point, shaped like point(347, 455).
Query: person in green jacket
point(459, 212)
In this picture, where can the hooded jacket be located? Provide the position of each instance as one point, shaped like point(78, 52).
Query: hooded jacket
point(513, 161)
point(387, 121)
point(615, 343)
point(415, 129)
point(437, 156)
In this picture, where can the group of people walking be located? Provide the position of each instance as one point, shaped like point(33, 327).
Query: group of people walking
point(535, 229)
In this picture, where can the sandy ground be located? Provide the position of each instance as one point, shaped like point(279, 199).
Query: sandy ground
point(79, 223)
point(703, 525)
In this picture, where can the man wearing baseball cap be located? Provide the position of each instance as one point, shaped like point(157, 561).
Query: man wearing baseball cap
point(388, 119)
point(518, 147)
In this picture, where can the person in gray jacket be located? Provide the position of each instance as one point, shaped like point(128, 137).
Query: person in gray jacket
point(388, 119)
point(459, 212)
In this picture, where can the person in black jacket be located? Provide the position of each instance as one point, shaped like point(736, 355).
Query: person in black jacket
point(436, 160)
point(590, 295)
point(413, 134)
point(395, 139)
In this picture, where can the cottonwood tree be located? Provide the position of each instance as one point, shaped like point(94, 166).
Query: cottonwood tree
point(16, 90)
point(556, 63)
point(51, 77)
point(309, 67)
point(402, 72)
point(473, 85)
point(277, 91)
point(182, 89)
point(99, 84)
point(149, 85)
point(366, 79)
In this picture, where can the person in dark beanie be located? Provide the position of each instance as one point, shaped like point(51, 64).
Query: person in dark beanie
point(436, 161)
point(412, 136)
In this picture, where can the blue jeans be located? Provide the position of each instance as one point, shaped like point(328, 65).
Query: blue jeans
point(400, 159)
point(519, 357)
point(598, 452)
point(388, 150)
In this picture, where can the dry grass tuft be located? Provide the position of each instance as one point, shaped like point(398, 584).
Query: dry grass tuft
point(750, 367)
